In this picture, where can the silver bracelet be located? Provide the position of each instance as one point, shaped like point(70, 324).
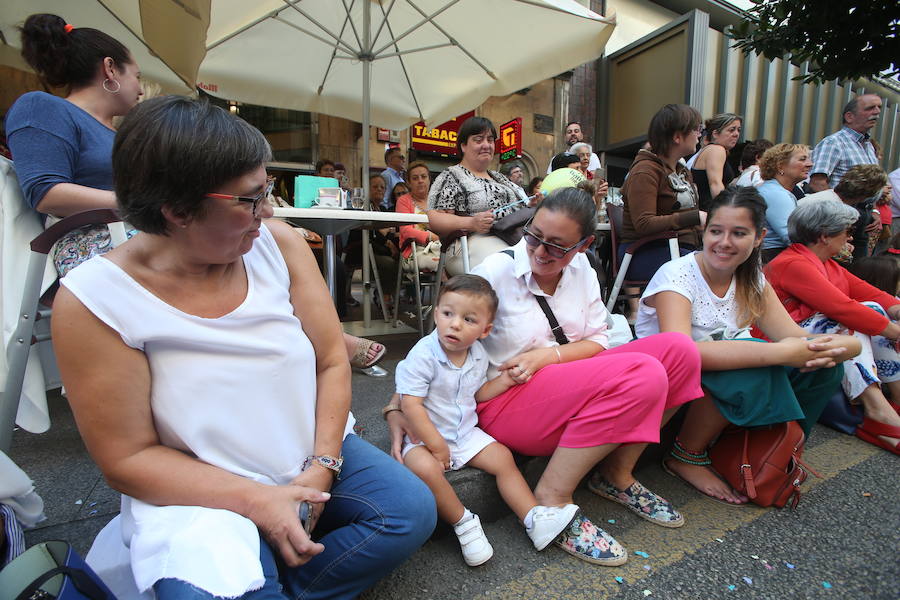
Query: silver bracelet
point(558, 355)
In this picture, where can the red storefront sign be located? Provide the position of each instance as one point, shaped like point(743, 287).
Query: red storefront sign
point(441, 139)
point(509, 140)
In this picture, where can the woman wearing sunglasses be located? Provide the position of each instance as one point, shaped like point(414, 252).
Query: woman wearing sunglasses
point(576, 401)
point(206, 371)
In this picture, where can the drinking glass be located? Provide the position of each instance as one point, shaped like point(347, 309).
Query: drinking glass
point(357, 198)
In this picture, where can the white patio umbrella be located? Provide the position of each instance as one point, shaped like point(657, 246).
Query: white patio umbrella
point(389, 63)
point(144, 28)
point(392, 62)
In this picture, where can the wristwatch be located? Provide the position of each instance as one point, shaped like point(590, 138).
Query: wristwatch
point(332, 463)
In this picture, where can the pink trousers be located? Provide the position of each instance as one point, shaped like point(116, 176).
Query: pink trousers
point(615, 397)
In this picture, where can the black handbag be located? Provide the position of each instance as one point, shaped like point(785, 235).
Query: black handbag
point(51, 570)
point(510, 228)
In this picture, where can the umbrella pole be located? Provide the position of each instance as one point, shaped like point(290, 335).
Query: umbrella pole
point(367, 73)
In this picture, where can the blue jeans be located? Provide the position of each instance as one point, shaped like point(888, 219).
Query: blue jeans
point(378, 515)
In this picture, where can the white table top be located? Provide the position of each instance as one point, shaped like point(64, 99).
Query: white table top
point(332, 221)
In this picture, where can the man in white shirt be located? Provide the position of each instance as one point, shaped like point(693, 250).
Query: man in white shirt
point(573, 135)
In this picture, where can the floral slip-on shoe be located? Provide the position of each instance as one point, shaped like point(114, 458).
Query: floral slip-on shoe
point(639, 500)
point(582, 539)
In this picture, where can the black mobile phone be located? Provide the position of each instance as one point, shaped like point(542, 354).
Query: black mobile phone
point(305, 514)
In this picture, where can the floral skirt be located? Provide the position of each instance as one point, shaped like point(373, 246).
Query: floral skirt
point(878, 361)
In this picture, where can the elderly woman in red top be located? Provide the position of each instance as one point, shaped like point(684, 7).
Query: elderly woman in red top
point(823, 297)
point(428, 245)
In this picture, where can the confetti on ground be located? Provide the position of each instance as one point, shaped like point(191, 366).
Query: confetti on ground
point(720, 540)
point(754, 557)
point(619, 580)
point(93, 512)
point(826, 585)
point(731, 588)
point(767, 565)
point(647, 593)
point(867, 495)
point(611, 521)
point(647, 567)
point(747, 580)
point(641, 554)
point(92, 505)
point(789, 565)
point(79, 501)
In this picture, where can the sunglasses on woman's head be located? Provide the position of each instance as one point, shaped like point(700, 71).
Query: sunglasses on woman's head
point(554, 250)
point(254, 200)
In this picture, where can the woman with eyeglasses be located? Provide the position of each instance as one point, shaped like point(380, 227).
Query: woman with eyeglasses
point(470, 197)
point(575, 400)
point(659, 195)
point(824, 298)
point(204, 364)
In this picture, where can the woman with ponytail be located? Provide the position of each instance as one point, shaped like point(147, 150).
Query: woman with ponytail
point(716, 295)
point(62, 147)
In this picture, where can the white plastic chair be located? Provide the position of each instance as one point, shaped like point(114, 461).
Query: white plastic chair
point(30, 314)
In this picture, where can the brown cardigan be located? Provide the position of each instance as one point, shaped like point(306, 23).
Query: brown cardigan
point(650, 202)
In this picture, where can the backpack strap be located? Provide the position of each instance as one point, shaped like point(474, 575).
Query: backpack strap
point(555, 327)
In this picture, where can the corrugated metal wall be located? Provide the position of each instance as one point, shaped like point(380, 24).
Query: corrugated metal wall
point(777, 107)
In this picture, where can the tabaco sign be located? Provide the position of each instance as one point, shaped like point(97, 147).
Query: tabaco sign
point(440, 139)
point(509, 140)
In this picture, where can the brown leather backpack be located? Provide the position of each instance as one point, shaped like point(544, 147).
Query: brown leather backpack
point(764, 463)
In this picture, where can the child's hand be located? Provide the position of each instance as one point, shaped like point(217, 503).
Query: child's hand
point(506, 378)
point(441, 454)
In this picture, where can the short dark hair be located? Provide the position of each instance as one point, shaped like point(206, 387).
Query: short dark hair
point(507, 168)
point(881, 270)
point(572, 123)
point(320, 164)
point(472, 285)
point(563, 160)
point(669, 120)
point(535, 181)
point(473, 126)
point(753, 151)
point(575, 203)
point(389, 151)
point(68, 59)
point(172, 151)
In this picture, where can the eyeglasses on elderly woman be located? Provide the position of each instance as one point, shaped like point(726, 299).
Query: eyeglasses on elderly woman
point(554, 250)
point(256, 201)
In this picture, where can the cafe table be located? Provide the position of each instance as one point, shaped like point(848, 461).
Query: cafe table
point(331, 222)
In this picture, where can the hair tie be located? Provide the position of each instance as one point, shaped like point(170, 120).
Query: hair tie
point(893, 250)
point(68, 28)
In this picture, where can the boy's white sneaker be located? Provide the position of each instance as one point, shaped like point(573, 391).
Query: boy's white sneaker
point(476, 549)
point(548, 522)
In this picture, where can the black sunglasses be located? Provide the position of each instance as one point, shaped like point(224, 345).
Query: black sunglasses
point(554, 250)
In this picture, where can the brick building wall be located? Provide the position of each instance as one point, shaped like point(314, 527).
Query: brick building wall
point(583, 92)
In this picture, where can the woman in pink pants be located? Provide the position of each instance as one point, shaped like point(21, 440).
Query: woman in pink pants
point(576, 401)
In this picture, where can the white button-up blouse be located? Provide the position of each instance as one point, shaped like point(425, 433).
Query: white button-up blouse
point(520, 324)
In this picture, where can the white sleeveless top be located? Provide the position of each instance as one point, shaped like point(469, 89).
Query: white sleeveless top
point(237, 391)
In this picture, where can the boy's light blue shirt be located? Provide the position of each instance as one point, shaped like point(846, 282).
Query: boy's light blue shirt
point(449, 391)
